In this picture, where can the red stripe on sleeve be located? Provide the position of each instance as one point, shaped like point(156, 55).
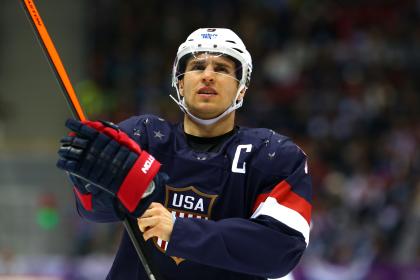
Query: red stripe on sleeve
point(284, 195)
point(260, 199)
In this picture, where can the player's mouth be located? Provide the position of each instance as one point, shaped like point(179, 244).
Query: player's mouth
point(207, 92)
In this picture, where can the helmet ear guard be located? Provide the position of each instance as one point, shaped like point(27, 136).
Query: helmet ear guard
point(220, 41)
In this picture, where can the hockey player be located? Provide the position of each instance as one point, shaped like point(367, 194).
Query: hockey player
point(237, 201)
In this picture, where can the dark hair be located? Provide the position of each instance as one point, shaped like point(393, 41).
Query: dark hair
point(182, 64)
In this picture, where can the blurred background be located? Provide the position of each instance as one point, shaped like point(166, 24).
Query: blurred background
point(342, 78)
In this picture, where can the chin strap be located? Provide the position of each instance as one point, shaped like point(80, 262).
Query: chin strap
point(235, 105)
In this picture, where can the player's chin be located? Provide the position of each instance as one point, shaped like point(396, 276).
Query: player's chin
point(206, 111)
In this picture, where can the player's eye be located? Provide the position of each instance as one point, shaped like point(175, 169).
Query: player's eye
point(222, 69)
point(196, 67)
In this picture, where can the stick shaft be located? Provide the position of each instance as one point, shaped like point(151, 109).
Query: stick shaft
point(134, 231)
point(61, 75)
point(54, 59)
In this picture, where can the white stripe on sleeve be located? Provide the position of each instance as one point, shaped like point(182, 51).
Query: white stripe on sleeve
point(289, 217)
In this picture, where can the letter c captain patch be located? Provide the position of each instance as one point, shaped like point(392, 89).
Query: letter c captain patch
point(186, 202)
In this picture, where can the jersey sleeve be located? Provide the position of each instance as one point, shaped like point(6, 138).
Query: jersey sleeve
point(270, 242)
point(289, 200)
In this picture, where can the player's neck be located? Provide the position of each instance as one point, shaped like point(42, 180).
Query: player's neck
point(221, 127)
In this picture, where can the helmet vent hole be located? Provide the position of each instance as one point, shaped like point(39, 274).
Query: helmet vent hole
point(229, 41)
point(238, 50)
point(199, 45)
point(214, 46)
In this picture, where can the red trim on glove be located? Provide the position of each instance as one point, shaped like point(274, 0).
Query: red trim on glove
point(137, 180)
point(118, 135)
point(85, 199)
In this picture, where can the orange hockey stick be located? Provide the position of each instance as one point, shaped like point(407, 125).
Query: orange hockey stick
point(70, 95)
point(53, 58)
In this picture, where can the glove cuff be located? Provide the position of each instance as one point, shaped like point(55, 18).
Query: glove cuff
point(137, 180)
point(85, 199)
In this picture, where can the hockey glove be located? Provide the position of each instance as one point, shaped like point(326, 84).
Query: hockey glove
point(105, 157)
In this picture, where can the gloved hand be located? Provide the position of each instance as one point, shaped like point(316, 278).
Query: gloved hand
point(105, 157)
point(98, 205)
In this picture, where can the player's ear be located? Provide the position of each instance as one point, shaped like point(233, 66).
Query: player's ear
point(181, 87)
point(242, 94)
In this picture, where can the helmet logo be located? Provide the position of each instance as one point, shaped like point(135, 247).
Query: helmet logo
point(208, 36)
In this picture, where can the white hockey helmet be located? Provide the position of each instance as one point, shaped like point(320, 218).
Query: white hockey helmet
point(213, 40)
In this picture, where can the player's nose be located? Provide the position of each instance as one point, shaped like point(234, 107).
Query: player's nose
point(208, 74)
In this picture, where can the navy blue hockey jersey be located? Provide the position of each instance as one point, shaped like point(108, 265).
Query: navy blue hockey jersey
point(243, 212)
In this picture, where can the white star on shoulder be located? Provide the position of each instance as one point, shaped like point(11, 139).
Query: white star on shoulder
point(158, 134)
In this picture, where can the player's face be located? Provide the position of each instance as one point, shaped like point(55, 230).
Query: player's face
point(209, 85)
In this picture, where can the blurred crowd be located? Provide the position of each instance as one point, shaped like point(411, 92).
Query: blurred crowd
point(342, 78)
